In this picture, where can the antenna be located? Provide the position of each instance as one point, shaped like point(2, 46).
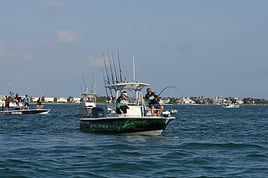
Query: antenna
point(133, 63)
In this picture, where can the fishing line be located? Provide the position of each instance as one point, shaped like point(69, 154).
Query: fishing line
point(166, 88)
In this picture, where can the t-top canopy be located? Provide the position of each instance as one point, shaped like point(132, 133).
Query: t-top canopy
point(137, 86)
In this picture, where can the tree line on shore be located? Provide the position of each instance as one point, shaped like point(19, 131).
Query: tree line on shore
point(204, 100)
point(195, 100)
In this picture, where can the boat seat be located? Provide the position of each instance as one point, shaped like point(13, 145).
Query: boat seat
point(134, 111)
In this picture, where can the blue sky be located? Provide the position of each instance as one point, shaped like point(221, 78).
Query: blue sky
point(204, 48)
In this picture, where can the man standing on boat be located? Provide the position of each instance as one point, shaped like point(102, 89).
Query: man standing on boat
point(7, 101)
point(17, 100)
point(153, 101)
point(121, 103)
point(26, 101)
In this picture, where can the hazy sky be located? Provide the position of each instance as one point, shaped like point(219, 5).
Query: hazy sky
point(203, 47)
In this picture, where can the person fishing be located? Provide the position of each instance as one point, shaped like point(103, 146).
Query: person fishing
point(153, 100)
point(121, 103)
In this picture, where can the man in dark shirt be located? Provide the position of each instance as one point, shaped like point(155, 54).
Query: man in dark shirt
point(153, 101)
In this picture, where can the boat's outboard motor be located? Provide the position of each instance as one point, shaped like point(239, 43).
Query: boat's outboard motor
point(97, 112)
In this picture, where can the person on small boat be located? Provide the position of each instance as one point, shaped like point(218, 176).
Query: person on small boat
point(121, 103)
point(153, 100)
point(7, 101)
point(17, 99)
point(26, 101)
point(39, 104)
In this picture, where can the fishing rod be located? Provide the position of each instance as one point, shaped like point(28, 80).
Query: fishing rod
point(108, 79)
point(107, 95)
point(93, 87)
point(81, 90)
point(116, 79)
point(110, 64)
point(106, 70)
point(165, 89)
point(84, 82)
point(119, 65)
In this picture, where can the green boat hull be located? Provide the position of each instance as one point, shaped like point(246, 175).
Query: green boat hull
point(123, 125)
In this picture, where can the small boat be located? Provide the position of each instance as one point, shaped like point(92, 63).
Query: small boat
point(26, 111)
point(137, 120)
point(19, 108)
point(88, 102)
point(232, 105)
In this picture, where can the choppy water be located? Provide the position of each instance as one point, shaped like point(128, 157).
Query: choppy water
point(204, 141)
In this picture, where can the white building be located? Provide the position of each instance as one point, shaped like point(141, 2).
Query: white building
point(48, 99)
point(35, 98)
point(76, 99)
point(62, 100)
point(187, 100)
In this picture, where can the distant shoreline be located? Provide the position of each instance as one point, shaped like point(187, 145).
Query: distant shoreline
point(163, 104)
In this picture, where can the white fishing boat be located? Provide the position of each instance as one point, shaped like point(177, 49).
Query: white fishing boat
point(17, 107)
point(88, 101)
point(231, 105)
point(18, 110)
point(136, 120)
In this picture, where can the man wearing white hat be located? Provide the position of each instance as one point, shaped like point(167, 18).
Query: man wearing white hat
point(121, 103)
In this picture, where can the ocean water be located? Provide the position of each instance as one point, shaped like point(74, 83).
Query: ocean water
point(203, 141)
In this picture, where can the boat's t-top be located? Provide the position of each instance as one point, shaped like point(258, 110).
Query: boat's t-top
point(128, 86)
